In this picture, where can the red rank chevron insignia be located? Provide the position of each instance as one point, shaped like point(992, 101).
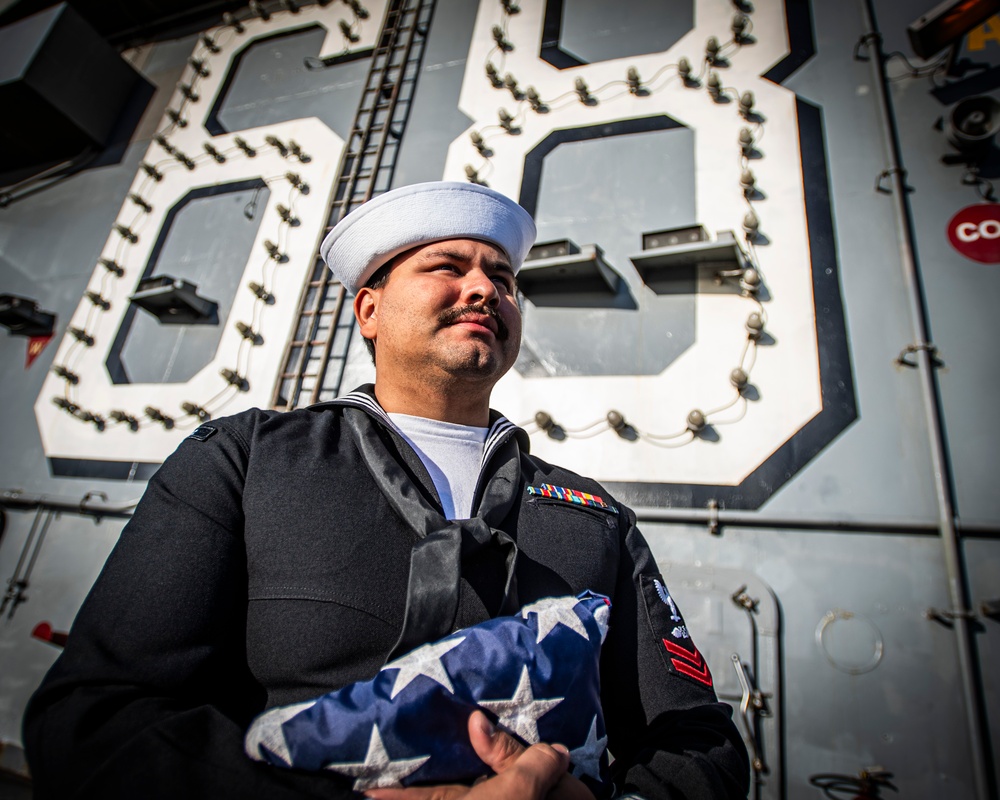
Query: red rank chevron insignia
point(688, 663)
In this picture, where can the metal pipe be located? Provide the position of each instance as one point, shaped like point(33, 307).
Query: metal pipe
point(24, 550)
point(86, 506)
point(738, 518)
point(957, 580)
point(20, 501)
point(16, 585)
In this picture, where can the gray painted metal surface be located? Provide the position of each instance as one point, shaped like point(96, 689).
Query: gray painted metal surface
point(278, 79)
point(608, 192)
point(596, 31)
point(156, 353)
point(435, 117)
point(858, 673)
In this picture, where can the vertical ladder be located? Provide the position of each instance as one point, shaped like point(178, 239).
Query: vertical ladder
point(313, 365)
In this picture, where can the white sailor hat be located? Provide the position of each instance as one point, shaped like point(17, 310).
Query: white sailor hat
point(421, 213)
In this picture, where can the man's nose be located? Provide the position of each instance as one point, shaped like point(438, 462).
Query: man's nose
point(479, 287)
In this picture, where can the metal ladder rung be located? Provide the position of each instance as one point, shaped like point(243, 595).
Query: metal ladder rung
point(381, 117)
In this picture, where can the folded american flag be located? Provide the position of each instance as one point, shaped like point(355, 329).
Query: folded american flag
point(536, 675)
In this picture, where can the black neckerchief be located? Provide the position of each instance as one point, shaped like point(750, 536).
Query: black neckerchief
point(445, 549)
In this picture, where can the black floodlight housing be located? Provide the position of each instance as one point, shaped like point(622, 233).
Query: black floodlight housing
point(22, 317)
point(681, 249)
point(948, 22)
point(174, 301)
point(674, 236)
point(563, 247)
point(562, 267)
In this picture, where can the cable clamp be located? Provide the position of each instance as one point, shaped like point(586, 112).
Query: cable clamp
point(713, 516)
point(880, 186)
point(947, 616)
point(902, 359)
point(90, 496)
point(864, 41)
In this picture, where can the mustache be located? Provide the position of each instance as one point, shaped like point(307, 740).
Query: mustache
point(453, 315)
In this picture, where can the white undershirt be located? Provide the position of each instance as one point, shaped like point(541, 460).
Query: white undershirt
point(452, 454)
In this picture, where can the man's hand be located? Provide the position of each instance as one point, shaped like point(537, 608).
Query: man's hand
point(532, 773)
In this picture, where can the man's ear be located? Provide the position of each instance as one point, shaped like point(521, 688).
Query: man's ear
point(366, 311)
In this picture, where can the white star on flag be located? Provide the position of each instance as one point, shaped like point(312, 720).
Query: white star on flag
point(587, 757)
point(550, 611)
point(266, 731)
point(378, 771)
point(395, 729)
point(520, 714)
point(424, 661)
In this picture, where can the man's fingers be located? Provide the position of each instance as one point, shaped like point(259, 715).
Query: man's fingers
point(419, 793)
point(540, 767)
point(524, 773)
point(497, 749)
point(534, 770)
point(570, 788)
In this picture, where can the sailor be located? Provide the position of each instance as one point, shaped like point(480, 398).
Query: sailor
point(277, 556)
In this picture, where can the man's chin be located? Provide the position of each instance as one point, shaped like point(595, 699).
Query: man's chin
point(480, 362)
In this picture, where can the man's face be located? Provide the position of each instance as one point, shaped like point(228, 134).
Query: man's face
point(448, 309)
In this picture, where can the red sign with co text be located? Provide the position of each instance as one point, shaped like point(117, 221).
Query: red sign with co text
point(975, 232)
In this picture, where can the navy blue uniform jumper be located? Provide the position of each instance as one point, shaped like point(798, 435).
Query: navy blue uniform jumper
point(264, 566)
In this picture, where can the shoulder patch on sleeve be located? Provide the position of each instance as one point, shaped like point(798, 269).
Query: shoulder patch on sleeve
point(202, 432)
point(677, 648)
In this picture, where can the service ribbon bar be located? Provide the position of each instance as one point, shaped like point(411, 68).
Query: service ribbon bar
point(571, 496)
